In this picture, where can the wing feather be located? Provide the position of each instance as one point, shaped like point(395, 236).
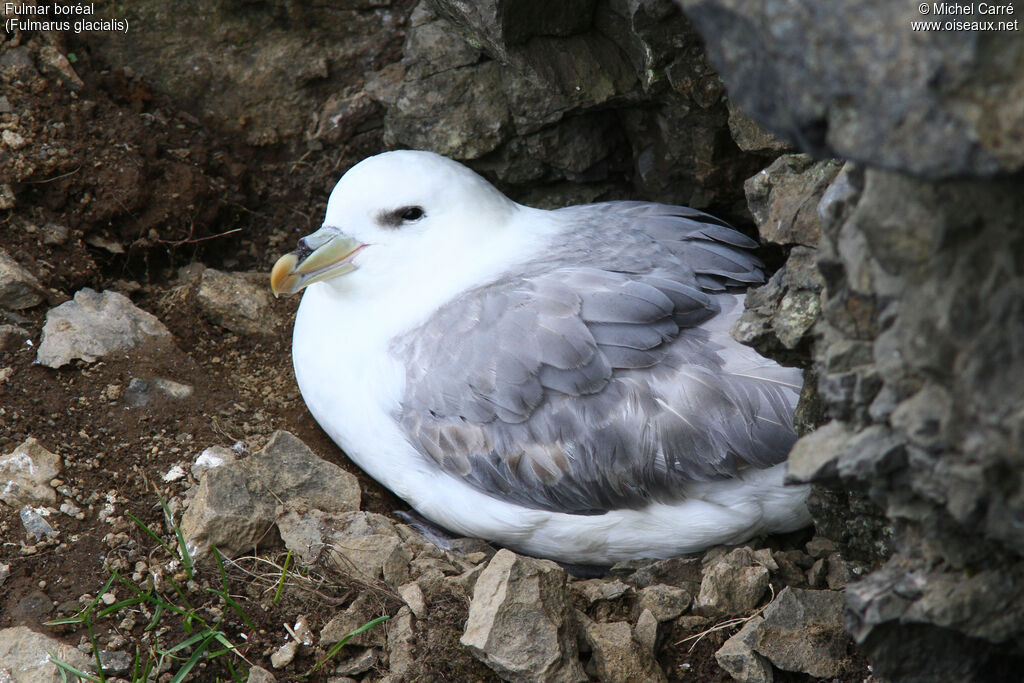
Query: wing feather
point(587, 381)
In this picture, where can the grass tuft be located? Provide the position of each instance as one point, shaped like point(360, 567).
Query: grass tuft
point(166, 602)
point(205, 638)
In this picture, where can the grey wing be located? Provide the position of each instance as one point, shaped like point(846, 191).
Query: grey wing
point(700, 248)
point(582, 390)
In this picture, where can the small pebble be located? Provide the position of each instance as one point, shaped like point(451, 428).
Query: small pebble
point(284, 655)
point(13, 140)
point(175, 473)
point(302, 631)
point(70, 509)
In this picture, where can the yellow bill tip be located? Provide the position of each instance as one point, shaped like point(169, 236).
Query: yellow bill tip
point(282, 276)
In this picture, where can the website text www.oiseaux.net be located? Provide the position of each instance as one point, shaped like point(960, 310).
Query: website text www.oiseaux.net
point(965, 16)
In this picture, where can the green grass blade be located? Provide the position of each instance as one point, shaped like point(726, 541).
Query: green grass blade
point(64, 668)
point(284, 573)
point(220, 568)
point(341, 643)
point(142, 525)
point(117, 606)
point(136, 663)
point(190, 641)
point(193, 660)
point(231, 647)
point(95, 650)
point(158, 613)
point(83, 614)
point(184, 556)
point(77, 620)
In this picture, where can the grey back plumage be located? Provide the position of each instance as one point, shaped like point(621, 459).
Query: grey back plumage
point(591, 379)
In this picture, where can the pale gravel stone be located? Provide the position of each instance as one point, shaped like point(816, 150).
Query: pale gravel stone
point(646, 630)
point(284, 655)
point(239, 302)
point(401, 643)
point(620, 658)
point(93, 325)
point(803, 631)
point(25, 475)
point(521, 622)
point(733, 584)
point(258, 674)
point(664, 602)
point(412, 594)
point(237, 504)
point(19, 288)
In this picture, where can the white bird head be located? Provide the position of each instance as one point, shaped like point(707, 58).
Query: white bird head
point(393, 212)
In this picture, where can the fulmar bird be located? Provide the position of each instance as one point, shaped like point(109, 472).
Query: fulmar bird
point(560, 382)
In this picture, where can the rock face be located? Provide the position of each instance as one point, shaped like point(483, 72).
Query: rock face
point(95, 324)
point(521, 623)
point(863, 84)
point(401, 642)
point(783, 198)
point(212, 457)
point(358, 613)
point(664, 602)
point(920, 364)
point(914, 324)
point(261, 70)
point(801, 631)
point(358, 544)
point(913, 347)
point(565, 103)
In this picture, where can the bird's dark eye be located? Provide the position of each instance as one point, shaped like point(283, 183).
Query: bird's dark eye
point(412, 213)
point(396, 218)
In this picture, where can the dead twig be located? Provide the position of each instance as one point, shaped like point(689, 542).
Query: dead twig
point(55, 178)
point(728, 623)
point(195, 240)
